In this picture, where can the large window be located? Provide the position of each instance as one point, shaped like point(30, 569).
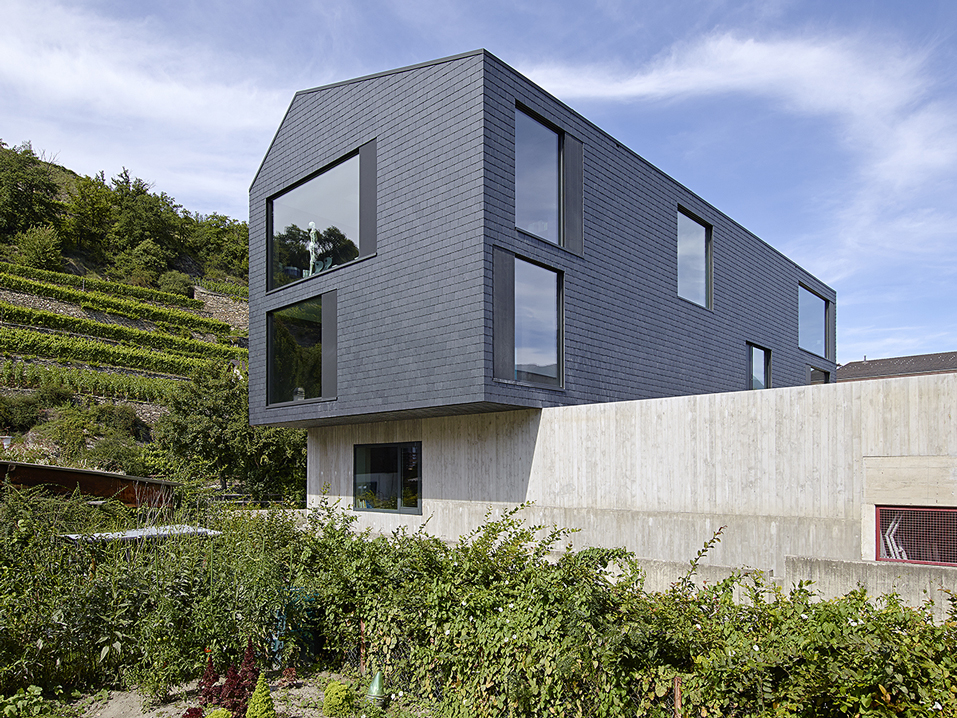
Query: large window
point(536, 323)
point(759, 360)
point(812, 322)
point(297, 336)
point(526, 321)
point(325, 221)
point(548, 182)
point(694, 260)
point(388, 477)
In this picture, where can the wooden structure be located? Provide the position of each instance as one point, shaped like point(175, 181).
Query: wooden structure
point(134, 491)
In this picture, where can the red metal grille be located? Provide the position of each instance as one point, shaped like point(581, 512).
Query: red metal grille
point(917, 535)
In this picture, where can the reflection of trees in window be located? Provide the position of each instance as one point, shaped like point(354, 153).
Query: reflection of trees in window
point(290, 254)
point(296, 254)
point(296, 353)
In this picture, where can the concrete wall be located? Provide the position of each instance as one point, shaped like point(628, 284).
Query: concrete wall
point(789, 472)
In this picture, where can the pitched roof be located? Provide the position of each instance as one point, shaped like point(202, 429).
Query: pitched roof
point(940, 363)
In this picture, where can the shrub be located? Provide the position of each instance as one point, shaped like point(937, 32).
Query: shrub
point(174, 282)
point(40, 248)
point(338, 700)
point(260, 704)
point(219, 713)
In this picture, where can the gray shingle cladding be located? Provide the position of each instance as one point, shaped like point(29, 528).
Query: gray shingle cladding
point(415, 320)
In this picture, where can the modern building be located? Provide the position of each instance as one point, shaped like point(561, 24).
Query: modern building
point(448, 239)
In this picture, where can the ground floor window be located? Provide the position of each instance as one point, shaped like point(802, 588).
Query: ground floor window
point(917, 535)
point(759, 361)
point(388, 477)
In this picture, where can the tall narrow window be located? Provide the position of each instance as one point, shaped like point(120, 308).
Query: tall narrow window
point(812, 322)
point(694, 261)
point(388, 477)
point(537, 178)
point(536, 323)
point(760, 367)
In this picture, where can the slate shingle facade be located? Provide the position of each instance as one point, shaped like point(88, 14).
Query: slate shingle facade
point(414, 322)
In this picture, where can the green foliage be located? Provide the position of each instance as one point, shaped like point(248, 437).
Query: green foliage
point(219, 713)
point(260, 704)
point(117, 332)
point(207, 428)
point(87, 215)
point(174, 282)
point(40, 248)
point(238, 291)
point(103, 287)
point(64, 347)
point(338, 700)
point(18, 413)
point(28, 192)
point(121, 307)
point(82, 380)
point(25, 702)
point(140, 265)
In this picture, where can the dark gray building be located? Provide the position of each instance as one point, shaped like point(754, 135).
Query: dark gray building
point(449, 238)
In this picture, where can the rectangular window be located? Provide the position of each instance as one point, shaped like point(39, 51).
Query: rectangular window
point(388, 477)
point(536, 323)
point(548, 182)
point(694, 260)
point(297, 336)
point(818, 376)
point(759, 360)
point(323, 222)
point(917, 535)
point(812, 322)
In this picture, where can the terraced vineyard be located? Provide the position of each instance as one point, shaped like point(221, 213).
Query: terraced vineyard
point(107, 339)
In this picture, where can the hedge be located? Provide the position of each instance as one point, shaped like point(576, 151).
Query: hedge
point(59, 346)
point(100, 285)
point(121, 307)
point(165, 342)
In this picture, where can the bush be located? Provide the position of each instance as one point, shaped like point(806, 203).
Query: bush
point(40, 248)
point(174, 282)
point(338, 700)
point(260, 704)
point(19, 413)
point(219, 713)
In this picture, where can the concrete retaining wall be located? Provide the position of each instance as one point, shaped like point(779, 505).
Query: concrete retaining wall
point(790, 472)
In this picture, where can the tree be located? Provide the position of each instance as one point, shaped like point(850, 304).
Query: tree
point(28, 192)
point(88, 215)
point(40, 248)
point(207, 427)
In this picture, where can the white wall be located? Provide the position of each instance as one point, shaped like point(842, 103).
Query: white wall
point(788, 472)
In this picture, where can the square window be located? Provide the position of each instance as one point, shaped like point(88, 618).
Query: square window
point(812, 322)
point(301, 351)
point(387, 477)
point(325, 221)
point(818, 376)
point(694, 260)
point(759, 371)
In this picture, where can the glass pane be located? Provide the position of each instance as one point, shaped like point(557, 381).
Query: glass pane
point(692, 260)
point(537, 183)
point(295, 352)
point(812, 322)
point(819, 376)
point(377, 477)
point(316, 225)
point(536, 323)
point(759, 368)
point(410, 476)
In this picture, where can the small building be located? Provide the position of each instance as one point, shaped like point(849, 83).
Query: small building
point(915, 365)
point(134, 491)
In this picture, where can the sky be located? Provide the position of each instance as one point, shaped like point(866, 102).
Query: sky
point(829, 129)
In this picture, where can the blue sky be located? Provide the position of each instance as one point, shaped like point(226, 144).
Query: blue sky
point(829, 129)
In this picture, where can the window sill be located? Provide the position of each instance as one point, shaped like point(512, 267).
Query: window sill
point(328, 272)
point(528, 235)
point(529, 385)
point(314, 400)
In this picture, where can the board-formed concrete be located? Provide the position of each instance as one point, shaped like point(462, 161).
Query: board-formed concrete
point(789, 472)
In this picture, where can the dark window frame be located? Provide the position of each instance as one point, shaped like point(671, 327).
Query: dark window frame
point(828, 324)
point(368, 212)
point(413, 511)
point(570, 187)
point(767, 366)
point(708, 259)
point(329, 340)
point(810, 375)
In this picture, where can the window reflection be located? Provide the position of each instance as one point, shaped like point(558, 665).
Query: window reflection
point(760, 368)
point(537, 179)
point(693, 261)
point(316, 225)
point(295, 352)
point(536, 323)
point(812, 322)
point(387, 477)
